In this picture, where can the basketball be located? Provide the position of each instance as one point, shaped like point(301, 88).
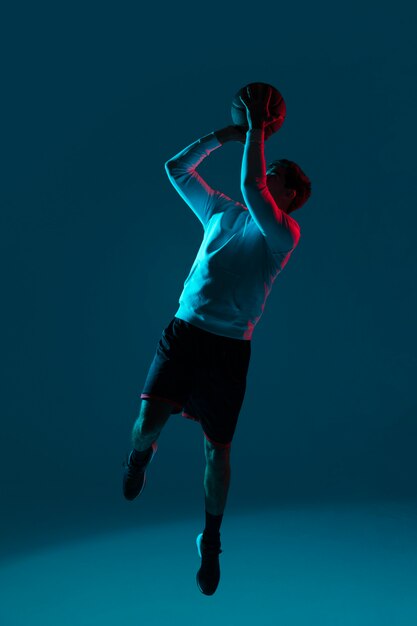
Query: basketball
point(277, 107)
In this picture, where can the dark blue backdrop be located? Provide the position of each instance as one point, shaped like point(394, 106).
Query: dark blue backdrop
point(96, 245)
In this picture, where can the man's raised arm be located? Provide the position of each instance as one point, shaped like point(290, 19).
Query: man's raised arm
point(280, 230)
point(181, 171)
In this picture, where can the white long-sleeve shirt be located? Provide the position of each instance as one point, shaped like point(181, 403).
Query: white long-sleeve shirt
point(244, 248)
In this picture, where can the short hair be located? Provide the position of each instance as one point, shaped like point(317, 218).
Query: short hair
point(295, 179)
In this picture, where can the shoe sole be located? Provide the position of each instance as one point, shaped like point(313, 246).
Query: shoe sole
point(155, 448)
point(198, 542)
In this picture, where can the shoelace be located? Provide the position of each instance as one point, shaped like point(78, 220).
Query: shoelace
point(133, 466)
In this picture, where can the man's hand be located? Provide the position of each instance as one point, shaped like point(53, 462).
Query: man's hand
point(231, 133)
point(256, 100)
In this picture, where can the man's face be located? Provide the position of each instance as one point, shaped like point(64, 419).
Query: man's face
point(276, 185)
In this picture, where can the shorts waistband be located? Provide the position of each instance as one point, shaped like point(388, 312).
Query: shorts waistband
point(214, 336)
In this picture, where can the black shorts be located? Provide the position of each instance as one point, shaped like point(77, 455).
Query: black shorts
point(203, 375)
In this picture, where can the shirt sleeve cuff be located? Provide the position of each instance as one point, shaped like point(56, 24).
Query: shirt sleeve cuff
point(211, 140)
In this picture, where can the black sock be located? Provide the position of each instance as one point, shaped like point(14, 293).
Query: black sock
point(140, 456)
point(213, 523)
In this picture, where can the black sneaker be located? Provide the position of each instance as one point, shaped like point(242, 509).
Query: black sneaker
point(208, 575)
point(134, 476)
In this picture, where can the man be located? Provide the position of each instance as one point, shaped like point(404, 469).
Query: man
point(202, 358)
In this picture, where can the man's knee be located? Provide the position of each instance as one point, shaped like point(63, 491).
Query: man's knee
point(217, 455)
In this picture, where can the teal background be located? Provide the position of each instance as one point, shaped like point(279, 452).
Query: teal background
point(96, 245)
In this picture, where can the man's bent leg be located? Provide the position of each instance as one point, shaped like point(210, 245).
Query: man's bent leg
point(153, 415)
point(152, 418)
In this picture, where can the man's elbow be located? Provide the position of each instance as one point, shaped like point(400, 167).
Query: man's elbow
point(289, 238)
point(280, 241)
point(171, 169)
point(175, 169)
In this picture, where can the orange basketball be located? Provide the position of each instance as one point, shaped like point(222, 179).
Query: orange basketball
point(277, 107)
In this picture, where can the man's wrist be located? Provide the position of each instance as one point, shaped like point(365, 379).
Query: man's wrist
point(257, 125)
point(223, 134)
point(255, 135)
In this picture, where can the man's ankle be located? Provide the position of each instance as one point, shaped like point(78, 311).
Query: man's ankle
point(212, 527)
point(138, 457)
